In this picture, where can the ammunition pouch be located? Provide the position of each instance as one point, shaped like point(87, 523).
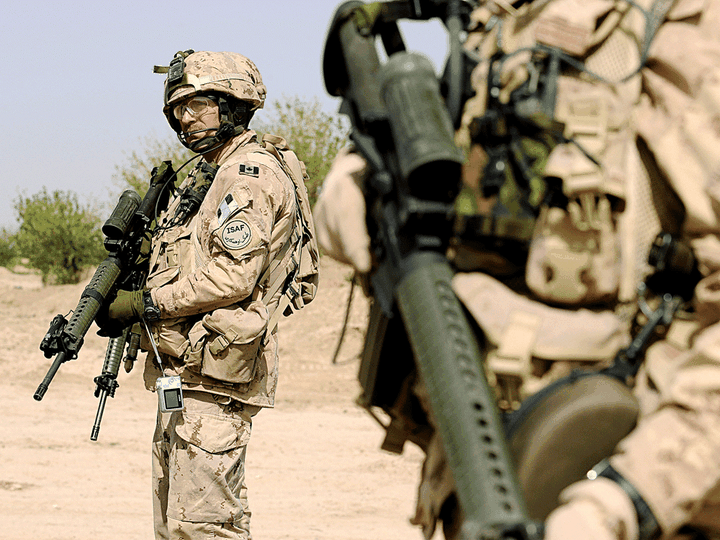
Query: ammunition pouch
point(226, 343)
point(574, 257)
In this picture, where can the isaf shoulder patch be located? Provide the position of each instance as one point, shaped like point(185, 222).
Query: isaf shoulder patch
point(237, 234)
point(250, 170)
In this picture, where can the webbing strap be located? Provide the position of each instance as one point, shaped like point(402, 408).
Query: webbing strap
point(271, 272)
point(279, 280)
point(279, 309)
point(276, 273)
point(653, 19)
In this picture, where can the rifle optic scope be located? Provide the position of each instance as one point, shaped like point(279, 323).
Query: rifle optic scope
point(117, 224)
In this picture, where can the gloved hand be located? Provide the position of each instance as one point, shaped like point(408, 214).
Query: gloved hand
point(340, 212)
point(125, 309)
point(593, 510)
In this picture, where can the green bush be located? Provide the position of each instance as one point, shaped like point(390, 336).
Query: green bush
point(59, 237)
point(8, 250)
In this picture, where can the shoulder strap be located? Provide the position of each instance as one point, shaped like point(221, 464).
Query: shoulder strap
point(298, 257)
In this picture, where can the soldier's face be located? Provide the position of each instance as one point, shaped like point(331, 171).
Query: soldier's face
point(198, 125)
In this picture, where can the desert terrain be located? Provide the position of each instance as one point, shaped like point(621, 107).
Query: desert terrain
point(315, 469)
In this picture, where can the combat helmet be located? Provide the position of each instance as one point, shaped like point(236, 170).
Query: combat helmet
point(231, 78)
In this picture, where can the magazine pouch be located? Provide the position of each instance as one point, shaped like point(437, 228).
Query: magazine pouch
point(226, 343)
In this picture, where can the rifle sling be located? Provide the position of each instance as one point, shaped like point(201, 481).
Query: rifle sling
point(93, 293)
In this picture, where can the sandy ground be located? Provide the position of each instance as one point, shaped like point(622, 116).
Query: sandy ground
point(315, 469)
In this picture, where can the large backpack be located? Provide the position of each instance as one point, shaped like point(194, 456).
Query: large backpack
point(295, 268)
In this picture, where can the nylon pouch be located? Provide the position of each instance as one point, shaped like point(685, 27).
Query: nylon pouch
point(574, 255)
point(226, 343)
point(169, 334)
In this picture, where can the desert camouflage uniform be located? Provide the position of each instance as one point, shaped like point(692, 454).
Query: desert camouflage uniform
point(212, 333)
point(655, 137)
point(199, 488)
point(648, 131)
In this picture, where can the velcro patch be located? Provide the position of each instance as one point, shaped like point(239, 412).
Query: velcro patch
point(251, 170)
point(237, 234)
point(227, 208)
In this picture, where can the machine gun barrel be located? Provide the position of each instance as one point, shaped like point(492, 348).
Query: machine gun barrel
point(449, 359)
point(403, 129)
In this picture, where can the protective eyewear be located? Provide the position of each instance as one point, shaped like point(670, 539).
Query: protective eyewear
point(195, 107)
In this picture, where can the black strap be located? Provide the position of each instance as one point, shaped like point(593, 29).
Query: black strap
point(648, 526)
point(93, 293)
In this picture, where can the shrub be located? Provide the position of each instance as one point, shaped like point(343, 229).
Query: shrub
point(58, 236)
point(8, 250)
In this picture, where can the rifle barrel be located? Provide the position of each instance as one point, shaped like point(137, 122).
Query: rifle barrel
point(98, 416)
point(45, 384)
point(107, 381)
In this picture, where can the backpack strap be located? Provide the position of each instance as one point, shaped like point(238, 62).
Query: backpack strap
point(281, 271)
point(276, 275)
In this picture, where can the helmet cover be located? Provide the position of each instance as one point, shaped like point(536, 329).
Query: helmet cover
point(207, 72)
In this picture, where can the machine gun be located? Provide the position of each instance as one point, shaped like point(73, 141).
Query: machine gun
point(125, 231)
point(403, 129)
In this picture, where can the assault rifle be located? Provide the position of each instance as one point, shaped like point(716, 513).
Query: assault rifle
point(403, 129)
point(125, 231)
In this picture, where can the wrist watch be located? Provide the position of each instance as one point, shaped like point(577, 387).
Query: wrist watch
point(150, 311)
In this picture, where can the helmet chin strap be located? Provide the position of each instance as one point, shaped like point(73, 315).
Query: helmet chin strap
point(212, 142)
point(226, 131)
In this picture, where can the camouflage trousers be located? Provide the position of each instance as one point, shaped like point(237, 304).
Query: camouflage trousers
point(198, 469)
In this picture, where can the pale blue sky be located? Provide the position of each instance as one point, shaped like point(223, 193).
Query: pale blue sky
point(79, 93)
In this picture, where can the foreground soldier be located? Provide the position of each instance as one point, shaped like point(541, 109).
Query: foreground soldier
point(636, 152)
point(208, 299)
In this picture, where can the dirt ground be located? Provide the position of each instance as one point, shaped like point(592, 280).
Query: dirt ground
point(315, 468)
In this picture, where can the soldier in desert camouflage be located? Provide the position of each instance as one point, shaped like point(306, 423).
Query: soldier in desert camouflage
point(218, 251)
point(636, 91)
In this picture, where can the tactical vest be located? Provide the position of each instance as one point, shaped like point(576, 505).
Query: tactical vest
point(556, 88)
point(561, 150)
point(232, 350)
